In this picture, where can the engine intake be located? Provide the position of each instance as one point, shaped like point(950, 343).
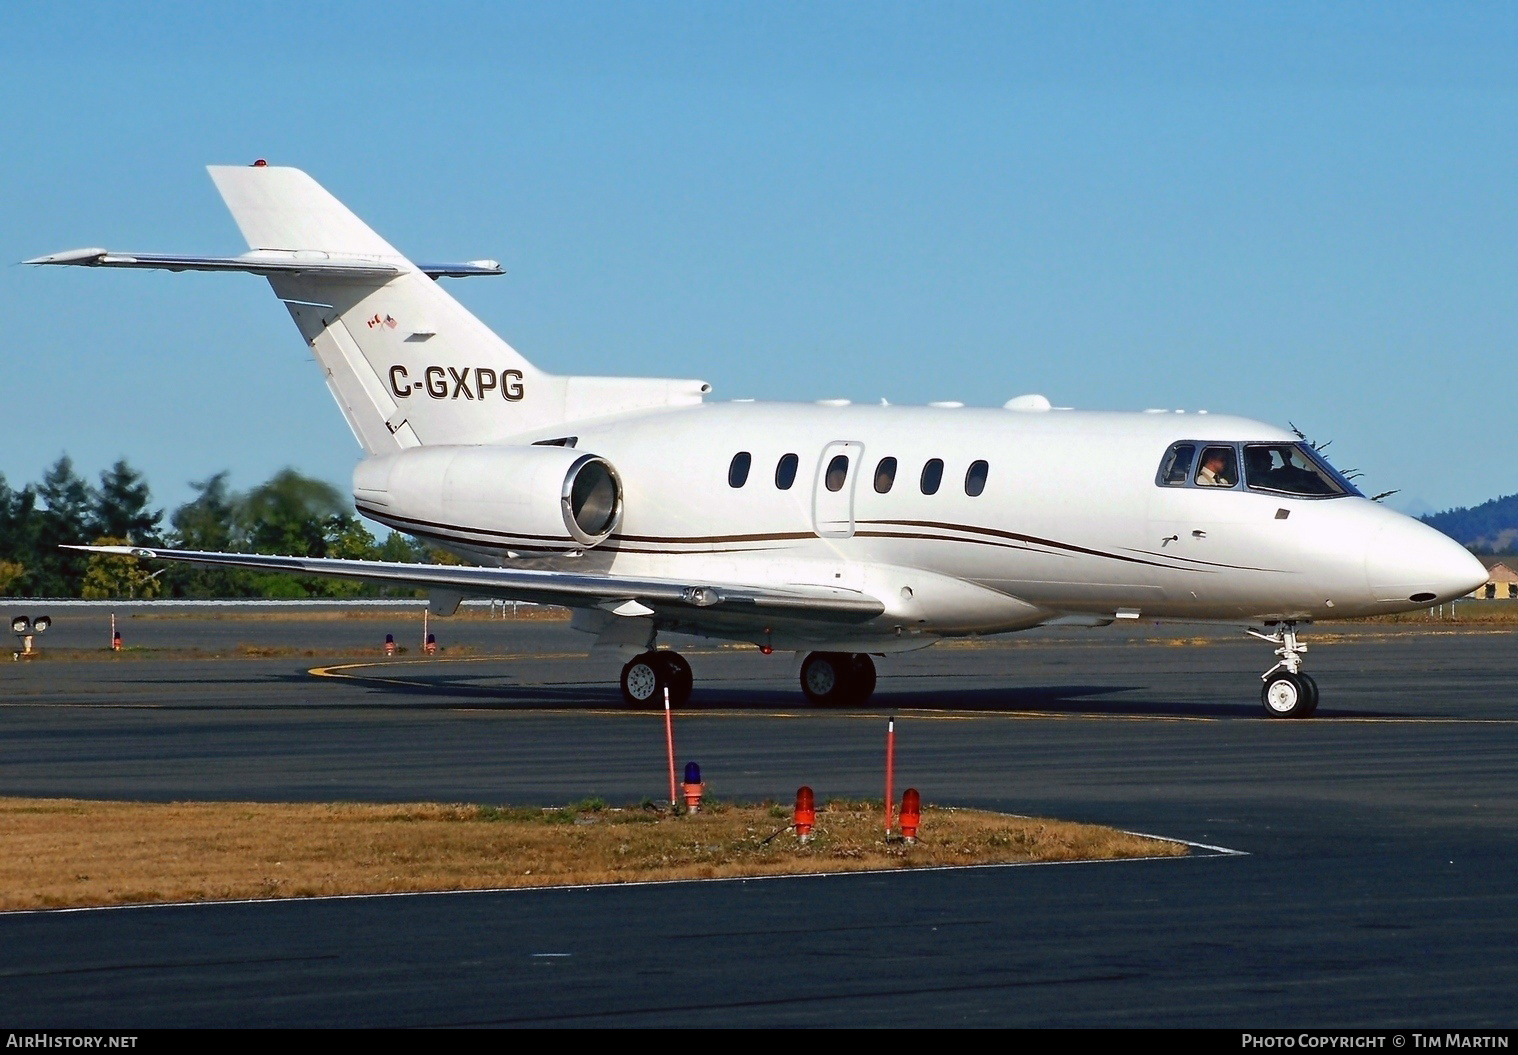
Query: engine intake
point(494, 497)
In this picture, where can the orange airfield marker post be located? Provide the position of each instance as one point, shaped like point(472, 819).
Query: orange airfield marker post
point(890, 769)
point(669, 747)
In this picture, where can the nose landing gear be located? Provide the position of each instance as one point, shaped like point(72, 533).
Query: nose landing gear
point(1287, 692)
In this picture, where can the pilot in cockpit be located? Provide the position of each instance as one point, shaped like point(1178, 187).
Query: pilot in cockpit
point(1217, 469)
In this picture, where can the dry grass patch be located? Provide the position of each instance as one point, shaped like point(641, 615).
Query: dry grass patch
point(64, 852)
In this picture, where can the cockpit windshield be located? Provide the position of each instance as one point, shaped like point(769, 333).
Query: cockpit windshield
point(1292, 469)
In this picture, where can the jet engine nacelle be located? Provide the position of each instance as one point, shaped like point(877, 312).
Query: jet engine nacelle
point(552, 495)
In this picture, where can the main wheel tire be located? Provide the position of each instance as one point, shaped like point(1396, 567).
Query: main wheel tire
point(677, 675)
point(1312, 695)
point(861, 678)
point(1286, 696)
point(825, 678)
point(643, 681)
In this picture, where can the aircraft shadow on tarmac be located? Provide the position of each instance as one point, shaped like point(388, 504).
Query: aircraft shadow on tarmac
point(449, 690)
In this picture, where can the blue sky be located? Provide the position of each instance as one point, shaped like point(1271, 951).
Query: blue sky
point(1290, 212)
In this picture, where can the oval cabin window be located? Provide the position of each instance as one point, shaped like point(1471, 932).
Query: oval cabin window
point(838, 473)
point(785, 472)
point(975, 479)
point(932, 476)
point(885, 475)
point(737, 473)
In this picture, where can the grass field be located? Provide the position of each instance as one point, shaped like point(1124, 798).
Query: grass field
point(68, 852)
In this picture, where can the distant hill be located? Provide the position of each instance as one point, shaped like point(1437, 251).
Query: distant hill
point(1491, 527)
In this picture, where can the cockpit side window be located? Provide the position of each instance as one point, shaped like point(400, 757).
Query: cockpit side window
point(1289, 469)
point(1175, 470)
point(1218, 467)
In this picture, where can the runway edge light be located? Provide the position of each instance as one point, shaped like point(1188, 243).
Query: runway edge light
point(805, 815)
point(389, 644)
point(911, 814)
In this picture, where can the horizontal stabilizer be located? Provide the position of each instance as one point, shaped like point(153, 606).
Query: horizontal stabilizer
point(266, 262)
point(570, 589)
point(383, 332)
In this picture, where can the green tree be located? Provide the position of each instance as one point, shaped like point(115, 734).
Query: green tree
point(207, 522)
point(66, 519)
point(11, 575)
point(289, 515)
point(121, 506)
point(345, 538)
point(108, 576)
point(401, 549)
point(18, 537)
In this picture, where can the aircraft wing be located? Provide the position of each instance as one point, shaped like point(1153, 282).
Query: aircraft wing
point(623, 595)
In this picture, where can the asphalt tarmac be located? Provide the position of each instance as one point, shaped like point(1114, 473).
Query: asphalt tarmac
point(1376, 883)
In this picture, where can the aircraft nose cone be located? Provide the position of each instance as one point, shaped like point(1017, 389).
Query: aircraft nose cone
point(1409, 561)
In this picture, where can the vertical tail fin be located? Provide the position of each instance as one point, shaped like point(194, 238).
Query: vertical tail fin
point(407, 364)
point(283, 208)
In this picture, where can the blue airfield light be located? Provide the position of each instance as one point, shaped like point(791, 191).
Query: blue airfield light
point(692, 773)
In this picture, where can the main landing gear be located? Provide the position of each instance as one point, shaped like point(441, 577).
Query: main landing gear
point(645, 678)
point(829, 679)
point(838, 679)
point(1287, 692)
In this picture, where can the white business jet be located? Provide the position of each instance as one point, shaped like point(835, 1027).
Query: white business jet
point(830, 530)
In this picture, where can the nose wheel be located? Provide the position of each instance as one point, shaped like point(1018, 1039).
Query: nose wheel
point(645, 678)
point(837, 679)
point(1289, 695)
point(1287, 692)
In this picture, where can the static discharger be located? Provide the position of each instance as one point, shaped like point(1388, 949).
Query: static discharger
point(389, 644)
point(692, 787)
point(911, 814)
point(805, 815)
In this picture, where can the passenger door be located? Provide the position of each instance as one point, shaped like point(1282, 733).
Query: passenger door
point(833, 489)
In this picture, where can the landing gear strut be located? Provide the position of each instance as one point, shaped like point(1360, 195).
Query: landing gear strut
point(645, 678)
point(837, 679)
point(1287, 692)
